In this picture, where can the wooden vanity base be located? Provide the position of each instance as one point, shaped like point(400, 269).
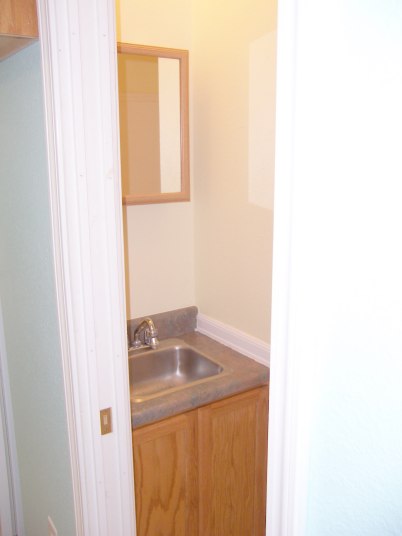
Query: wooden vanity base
point(204, 472)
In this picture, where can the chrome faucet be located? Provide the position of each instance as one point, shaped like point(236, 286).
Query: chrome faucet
point(150, 335)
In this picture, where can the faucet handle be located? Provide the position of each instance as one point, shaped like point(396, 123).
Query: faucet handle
point(136, 342)
point(151, 338)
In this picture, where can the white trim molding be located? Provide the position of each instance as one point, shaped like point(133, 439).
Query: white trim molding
point(282, 420)
point(78, 45)
point(11, 515)
point(237, 340)
point(292, 374)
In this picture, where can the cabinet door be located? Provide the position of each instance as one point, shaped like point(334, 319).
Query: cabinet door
point(233, 461)
point(165, 470)
point(18, 17)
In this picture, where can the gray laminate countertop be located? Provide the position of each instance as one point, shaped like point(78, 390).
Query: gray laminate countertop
point(241, 374)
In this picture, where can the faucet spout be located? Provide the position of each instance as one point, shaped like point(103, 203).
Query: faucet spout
point(150, 334)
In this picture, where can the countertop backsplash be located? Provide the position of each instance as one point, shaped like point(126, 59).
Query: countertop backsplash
point(170, 324)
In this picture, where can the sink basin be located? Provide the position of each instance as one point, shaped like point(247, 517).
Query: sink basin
point(172, 366)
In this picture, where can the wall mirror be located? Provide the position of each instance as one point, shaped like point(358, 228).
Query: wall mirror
point(154, 138)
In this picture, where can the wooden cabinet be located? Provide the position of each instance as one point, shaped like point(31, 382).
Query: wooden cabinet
point(204, 472)
point(18, 25)
point(232, 465)
point(165, 468)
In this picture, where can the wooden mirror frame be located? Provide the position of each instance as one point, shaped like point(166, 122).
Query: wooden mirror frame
point(182, 56)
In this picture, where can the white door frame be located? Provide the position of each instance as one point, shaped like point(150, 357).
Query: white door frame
point(290, 405)
point(79, 68)
point(11, 518)
point(78, 46)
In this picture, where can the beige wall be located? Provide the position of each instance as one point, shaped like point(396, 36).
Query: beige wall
point(233, 234)
point(225, 234)
point(159, 238)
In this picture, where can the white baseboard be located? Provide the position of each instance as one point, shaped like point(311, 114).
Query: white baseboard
point(234, 338)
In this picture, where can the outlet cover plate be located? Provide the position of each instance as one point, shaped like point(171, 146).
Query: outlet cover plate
point(106, 421)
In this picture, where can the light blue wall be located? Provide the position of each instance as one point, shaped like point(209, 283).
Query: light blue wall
point(27, 290)
point(350, 80)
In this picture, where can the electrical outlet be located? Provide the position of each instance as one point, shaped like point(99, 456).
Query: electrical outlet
point(52, 531)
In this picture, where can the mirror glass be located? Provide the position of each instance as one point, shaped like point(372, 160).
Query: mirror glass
point(153, 108)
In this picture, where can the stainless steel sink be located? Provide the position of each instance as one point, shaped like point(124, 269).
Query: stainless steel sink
point(173, 366)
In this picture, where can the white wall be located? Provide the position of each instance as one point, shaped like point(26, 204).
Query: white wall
point(28, 298)
point(233, 60)
point(345, 300)
point(159, 238)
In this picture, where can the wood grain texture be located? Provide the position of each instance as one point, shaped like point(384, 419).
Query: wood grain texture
point(165, 469)
point(233, 461)
point(18, 18)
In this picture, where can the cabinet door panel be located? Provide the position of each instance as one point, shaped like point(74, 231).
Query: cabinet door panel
point(18, 17)
point(232, 457)
point(165, 469)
